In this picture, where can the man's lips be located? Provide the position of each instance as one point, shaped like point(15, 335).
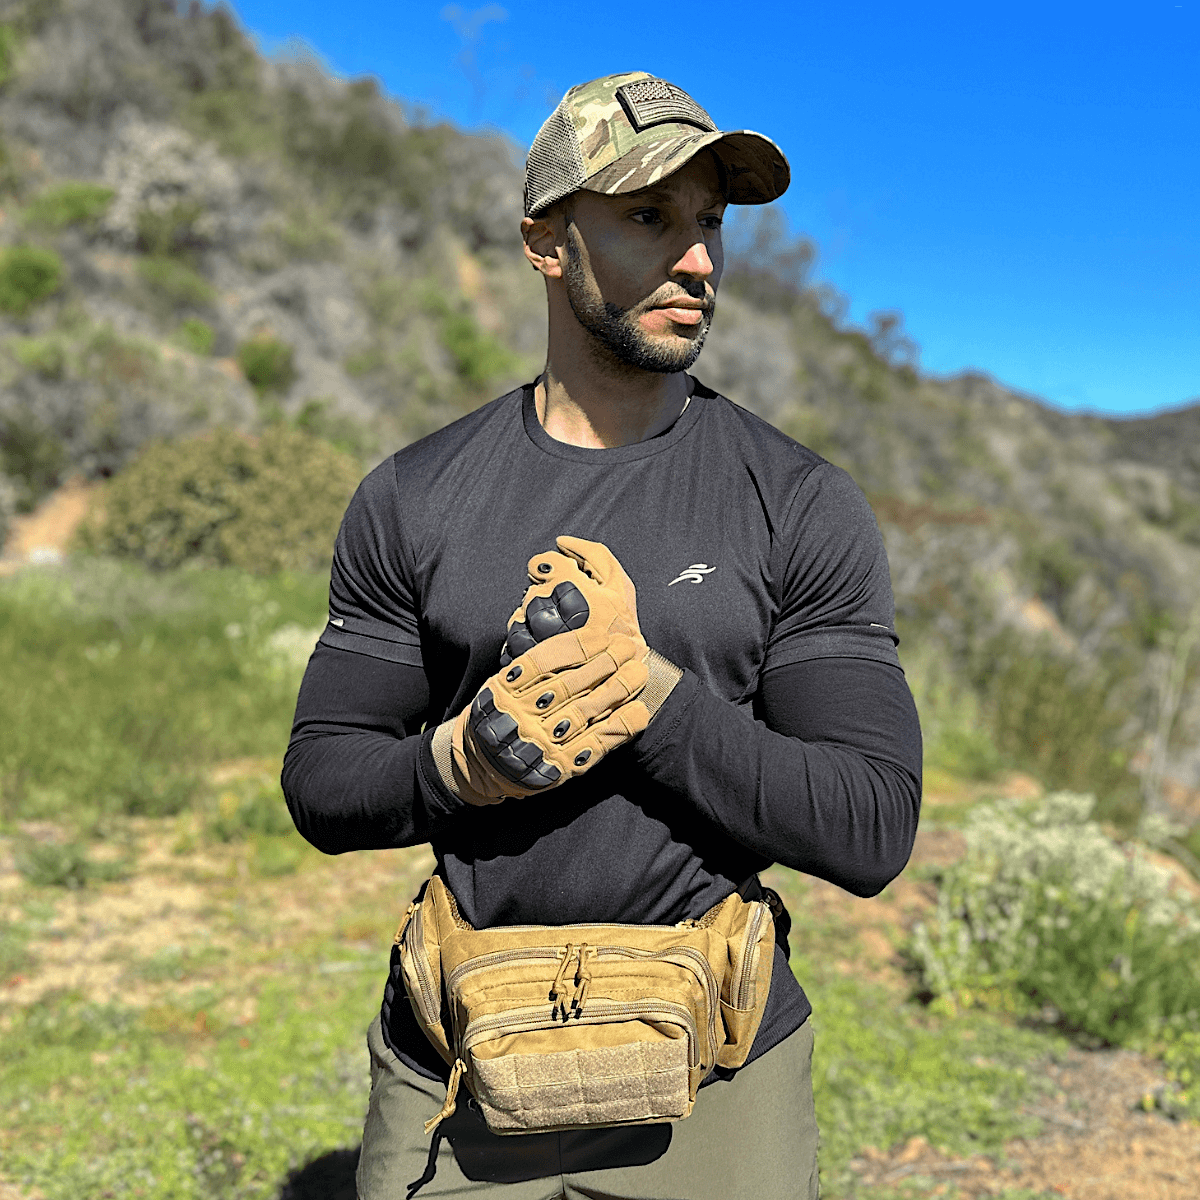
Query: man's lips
point(684, 311)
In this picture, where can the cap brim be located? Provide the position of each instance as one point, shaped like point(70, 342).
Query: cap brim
point(756, 170)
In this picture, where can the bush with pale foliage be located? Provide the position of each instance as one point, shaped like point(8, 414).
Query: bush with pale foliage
point(265, 504)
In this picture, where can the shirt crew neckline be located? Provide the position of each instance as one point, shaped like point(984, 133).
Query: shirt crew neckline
point(682, 426)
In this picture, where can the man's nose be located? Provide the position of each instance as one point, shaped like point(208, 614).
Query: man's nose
point(694, 262)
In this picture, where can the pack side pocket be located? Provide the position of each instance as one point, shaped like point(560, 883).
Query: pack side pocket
point(741, 1024)
point(747, 983)
point(421, 967)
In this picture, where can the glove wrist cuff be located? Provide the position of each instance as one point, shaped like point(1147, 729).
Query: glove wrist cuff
point(664, 675)
point(442, 747)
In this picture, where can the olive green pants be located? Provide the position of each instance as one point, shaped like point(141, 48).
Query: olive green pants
point(753, 1137)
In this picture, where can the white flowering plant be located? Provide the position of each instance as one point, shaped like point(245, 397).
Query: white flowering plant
point(1046, 915)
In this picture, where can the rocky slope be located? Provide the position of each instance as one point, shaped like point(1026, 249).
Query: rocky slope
point(191, 235)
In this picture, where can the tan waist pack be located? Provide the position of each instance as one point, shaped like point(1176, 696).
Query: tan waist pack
point(578, 1026)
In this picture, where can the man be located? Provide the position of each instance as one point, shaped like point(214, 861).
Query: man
point(768, 722)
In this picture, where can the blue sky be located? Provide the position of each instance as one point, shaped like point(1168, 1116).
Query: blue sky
point(1022, 181)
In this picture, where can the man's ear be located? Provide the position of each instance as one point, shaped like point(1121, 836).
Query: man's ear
point(541, 246)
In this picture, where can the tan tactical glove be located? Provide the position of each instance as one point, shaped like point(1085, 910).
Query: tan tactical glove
point(547, 716)
point(579, 588)
point(568, 689)
point(552, 606)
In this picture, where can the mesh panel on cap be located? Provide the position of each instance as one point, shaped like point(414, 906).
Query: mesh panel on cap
point(554, 167)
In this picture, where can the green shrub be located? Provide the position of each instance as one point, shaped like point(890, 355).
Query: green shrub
point(1181, 1059)
point(263, 812)
point(66, 864)
point(478, 357)
point(73, 203)
point(196, 335)
point(171, 231)
point(267, 504)
point(32, 455)
point(1048, 914)
point(8, 45)
point(1052, 718)
point(308, 237)
point(267, 363)
point(345, 433)
point(174, 281)
point(364, 361)
point(120, 361)
point(28, 275)
point(1191, 843)
point(956, 736)
point(1054, 569)
point(45, 355)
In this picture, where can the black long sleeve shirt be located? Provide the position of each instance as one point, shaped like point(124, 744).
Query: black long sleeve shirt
point(791, 738)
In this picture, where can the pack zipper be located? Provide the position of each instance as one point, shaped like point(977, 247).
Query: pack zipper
point(700, 966)
point(497, 958)
point(688, 923)
point(746, 975)
point(431, 997)
point(693, 961)
point(542, 1016)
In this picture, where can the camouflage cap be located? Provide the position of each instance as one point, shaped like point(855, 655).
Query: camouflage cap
point(627, 131)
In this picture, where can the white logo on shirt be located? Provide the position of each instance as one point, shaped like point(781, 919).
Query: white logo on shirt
point(693, 574)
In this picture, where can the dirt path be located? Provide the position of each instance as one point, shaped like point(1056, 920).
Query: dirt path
point(1098, 1143)
point(44, 534)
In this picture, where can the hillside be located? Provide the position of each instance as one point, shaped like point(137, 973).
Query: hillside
point(191, 235)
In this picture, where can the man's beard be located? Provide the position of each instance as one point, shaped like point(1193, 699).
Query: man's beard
point(617, 331)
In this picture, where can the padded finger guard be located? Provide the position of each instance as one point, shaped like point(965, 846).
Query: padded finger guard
point(563, 610)
point(497, 737)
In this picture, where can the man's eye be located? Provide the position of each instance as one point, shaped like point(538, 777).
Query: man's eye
point(647, 216)
point(712, 221)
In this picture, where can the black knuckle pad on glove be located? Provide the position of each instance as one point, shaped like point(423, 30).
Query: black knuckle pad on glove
point(563, 610)
point(519, 641)
point(541, 616)
point(516, 759)
point(571, 604)
point(545, 616)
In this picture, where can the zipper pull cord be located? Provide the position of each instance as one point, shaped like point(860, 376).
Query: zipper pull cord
point(583, 979)
point(404, 923)
point(558, 989)
point(456, 1073)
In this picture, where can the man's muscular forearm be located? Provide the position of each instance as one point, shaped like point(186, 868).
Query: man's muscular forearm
point(353, 773)
point(827, 782)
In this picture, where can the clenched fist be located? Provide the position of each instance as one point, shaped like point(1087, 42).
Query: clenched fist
point(584, 588)
point(570, 687)
point(581, 588)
